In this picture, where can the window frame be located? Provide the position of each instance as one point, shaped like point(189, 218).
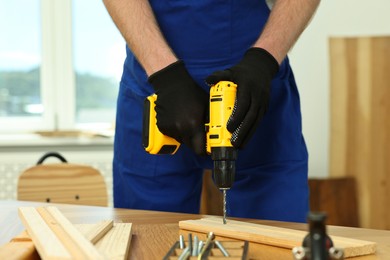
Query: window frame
point(57, 77)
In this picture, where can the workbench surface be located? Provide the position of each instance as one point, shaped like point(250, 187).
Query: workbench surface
point(154, 232)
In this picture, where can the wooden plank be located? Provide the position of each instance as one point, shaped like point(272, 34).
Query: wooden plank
point(22, 247)
point(54, 236)
point(75, 242)
point(86, 229)
point(116, 243)
point(360, 125)
point(94, 232)
point(19, 251)
point(22, 237)
point(45, 240)
point(274, 236)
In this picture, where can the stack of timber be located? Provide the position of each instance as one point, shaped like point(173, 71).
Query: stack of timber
point(272, 236)
point(49, 235)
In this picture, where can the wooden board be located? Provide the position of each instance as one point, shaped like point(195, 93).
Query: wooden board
point(360, 122)
point(19, 250)
point(46, 242)
point(20, 247)
point(54, 236)
point(115, 246)
point(112, 241)
point(116, 243)
point(269, 235)
point(95, 232)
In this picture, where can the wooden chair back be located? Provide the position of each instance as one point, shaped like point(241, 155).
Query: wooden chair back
point(63, 183)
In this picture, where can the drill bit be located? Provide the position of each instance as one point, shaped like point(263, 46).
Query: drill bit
point(224, 206)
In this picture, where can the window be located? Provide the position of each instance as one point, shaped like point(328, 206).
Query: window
point(59, 66)
point(20, 59)
point(98, 60)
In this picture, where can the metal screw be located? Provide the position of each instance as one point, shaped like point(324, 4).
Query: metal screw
point(223, 250)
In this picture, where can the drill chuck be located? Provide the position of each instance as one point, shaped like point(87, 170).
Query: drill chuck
point(224, 166)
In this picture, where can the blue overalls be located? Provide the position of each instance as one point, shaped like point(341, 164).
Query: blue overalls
point(271, 177)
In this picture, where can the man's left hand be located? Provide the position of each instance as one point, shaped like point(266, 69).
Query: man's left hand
point(253, 75)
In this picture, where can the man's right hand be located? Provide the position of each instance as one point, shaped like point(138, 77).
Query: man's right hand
point(181, 106)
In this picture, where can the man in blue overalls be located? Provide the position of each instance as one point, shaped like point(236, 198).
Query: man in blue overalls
point(174, 48)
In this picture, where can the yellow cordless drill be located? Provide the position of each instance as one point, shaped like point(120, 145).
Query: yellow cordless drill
point(223, 154)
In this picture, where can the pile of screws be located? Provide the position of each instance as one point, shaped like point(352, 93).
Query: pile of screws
point(196, 247)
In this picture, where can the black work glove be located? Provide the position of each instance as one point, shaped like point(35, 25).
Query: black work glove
point(181, 106)
point(253, 75)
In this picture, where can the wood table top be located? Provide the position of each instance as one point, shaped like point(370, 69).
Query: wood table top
point(154, 232)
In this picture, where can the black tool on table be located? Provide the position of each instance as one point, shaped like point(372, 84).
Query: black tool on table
point(317, 245)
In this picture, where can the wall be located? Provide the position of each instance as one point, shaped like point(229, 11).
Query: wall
point(310, 61)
